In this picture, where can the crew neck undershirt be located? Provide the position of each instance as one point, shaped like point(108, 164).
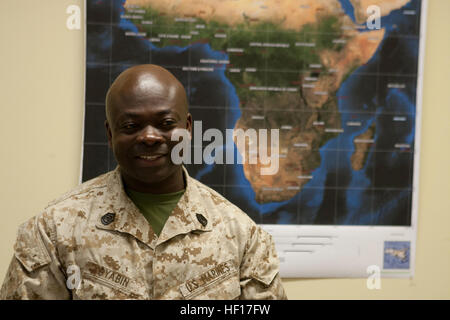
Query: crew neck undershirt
point(156, 208)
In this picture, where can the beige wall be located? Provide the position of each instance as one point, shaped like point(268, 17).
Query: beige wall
point(41, 92)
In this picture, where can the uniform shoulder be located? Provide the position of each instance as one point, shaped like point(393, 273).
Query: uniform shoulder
point(86, 187)
point(69, 207)
point(221, 203)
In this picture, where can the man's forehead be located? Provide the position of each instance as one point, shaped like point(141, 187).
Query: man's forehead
point(144, 86)
point(147, 84)
point(153, 112)
point(166, 98)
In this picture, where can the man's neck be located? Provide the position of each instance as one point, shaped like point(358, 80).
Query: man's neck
point(175, 182)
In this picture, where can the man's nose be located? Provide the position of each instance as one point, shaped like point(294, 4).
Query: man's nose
point(150, 135)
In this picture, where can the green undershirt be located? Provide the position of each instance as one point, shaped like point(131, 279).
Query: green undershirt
point(156, 208)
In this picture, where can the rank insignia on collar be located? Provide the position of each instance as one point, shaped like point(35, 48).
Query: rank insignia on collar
point(108, 218)
point(202, 219)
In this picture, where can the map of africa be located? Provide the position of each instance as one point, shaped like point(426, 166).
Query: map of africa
point(341, 91)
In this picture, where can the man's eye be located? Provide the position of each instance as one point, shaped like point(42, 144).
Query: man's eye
point(168, 123)
point(128, 126)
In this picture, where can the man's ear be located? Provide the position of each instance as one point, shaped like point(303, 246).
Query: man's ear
point(189, 124)
point(108, 133)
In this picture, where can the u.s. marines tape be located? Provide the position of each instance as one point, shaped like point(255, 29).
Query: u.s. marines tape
point(202, 282)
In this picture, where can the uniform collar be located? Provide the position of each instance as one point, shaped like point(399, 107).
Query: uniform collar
point(189, 214)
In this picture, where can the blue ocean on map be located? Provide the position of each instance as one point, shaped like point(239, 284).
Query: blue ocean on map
point(379, 193)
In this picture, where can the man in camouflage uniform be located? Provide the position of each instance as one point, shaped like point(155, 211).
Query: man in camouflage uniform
point(94, 242)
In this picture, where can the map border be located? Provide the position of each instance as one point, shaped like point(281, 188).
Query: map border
point(343, 236)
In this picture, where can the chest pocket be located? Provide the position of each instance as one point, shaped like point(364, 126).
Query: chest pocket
point(219, 283)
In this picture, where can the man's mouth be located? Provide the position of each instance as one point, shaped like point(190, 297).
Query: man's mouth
point(150, 158)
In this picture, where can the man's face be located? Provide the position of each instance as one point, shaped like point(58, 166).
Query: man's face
point(139, 131)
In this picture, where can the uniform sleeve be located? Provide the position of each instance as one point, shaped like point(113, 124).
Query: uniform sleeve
point(260, 277)
point(34, 272)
